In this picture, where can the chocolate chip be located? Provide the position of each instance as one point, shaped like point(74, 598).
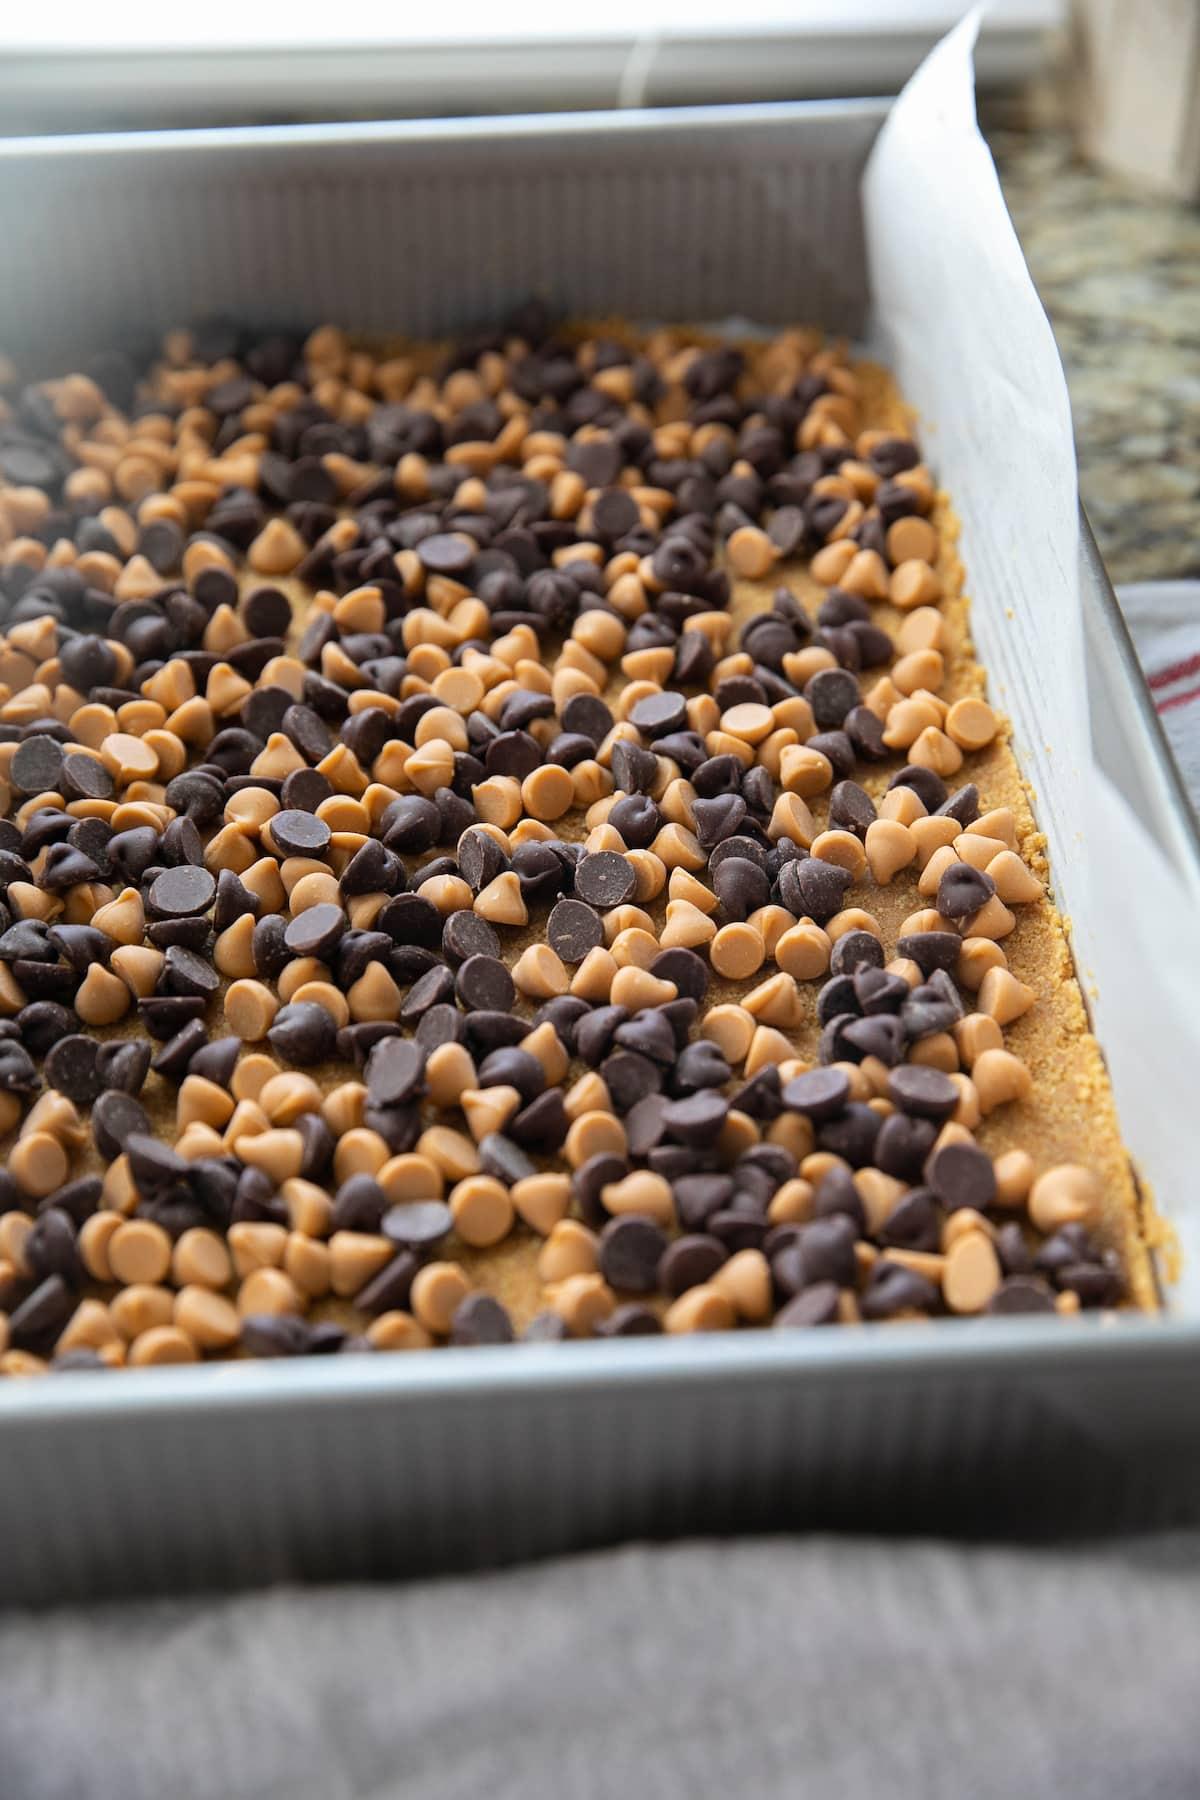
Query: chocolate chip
point(395, 1072)
point(303, 1034)
point(929, 788)
point(124, 1065)
point(182, 892)
point(573, 929)
point(605, 879)
point(631, 1320)
point(699, 1119)
point(117, 1117)
point(893, 1288)
point(831, 693)
point(659, 714)
point(836, 1192)
point(484, 984)
point(587, 714)
point(631, 1249)
point(1019, 1295)
point(962, 890)
point(71, 1068)
point(466, 934)
point(420, 1225)
point(821, 1094)
point(903, 1143)
point(299, 834)
point(36, 767)
point(931, 950)
point(923, 1091)
point(37, 1321)
point(815, 1305)
point(688, 971)
point(546, 1328)
point(813, 889)
point(963, 1175)
point(914, 1223)
point(480, 1319)
point(851, 808)
point(689, 1261)
point(856, 950)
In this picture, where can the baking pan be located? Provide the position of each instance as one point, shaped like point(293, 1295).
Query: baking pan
point(254, 1472)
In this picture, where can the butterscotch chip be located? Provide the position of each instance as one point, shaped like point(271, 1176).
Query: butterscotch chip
point(641, 1192)
point(890, 847)
point(200, 1258)
point(1014, 1177)
point(737, 951)
point(843, 849)
point(95, 1236)
point(482, 1211)
point(582, 1302)
point(540, 973)
point(250, 1010)
point(570, 1249)
point(751, 552)
point(803, 952)
point(357, 1256)
point(911, 539)
point(971, 723)
point(438, 1290)
point(1016, 883)
point(160, 1345)
point(309, 1264)
point(1000, 1077)
point(731, 1028)
point(745, 1281)
point(38, 1164)
point(141, 1308)
point(397, 1331)
point(206, 1318)
point(541, 1201)
point(972, 1272)
point(1066, 1195)
point(702, 1308)
point(268, 1291)
point(139, 1251)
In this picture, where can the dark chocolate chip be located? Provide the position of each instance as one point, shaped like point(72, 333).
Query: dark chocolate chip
point(299, 834)
point(689, 1261)
point(821, 1093)
point(182, 892)
point(926, 1092)
point(484, 984)
point(71, 1068)
point(605, 879)
point(420, 1226)
point(631, 1248)
point(395, 1072)
point(962, 890)
point(815, 1305)
point(116, 1117)
point(480, 1319)
point(962, 1175)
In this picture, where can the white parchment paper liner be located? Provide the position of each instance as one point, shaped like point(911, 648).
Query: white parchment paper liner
point(961, 326)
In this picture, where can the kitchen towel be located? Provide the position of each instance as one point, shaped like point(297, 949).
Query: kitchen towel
point(771, 1669)
point(1164, 622)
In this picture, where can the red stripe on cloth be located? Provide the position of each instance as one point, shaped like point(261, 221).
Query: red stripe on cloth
point(1175, 672)
point(1178, 699)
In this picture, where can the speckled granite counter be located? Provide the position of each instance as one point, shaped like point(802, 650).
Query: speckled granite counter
point(1117, 270)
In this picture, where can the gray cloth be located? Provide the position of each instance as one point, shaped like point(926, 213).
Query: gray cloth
point(835, 1668)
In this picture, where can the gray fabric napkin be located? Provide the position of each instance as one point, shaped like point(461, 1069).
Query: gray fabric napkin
point(828, 1667)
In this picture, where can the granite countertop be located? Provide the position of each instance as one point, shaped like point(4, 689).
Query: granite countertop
point(1117, 271)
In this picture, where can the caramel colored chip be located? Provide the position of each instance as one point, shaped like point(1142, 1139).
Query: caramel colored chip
point(437, 1291)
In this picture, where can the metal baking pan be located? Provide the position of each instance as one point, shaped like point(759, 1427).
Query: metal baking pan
point(253, 1472)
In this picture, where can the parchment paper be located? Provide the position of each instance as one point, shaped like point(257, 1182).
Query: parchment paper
point(961, 326)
